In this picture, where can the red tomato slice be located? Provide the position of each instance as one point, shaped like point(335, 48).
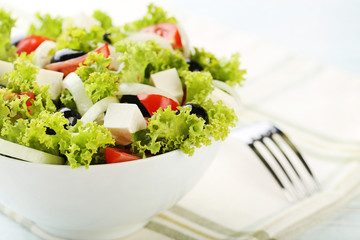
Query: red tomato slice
point(31, 97)
point(168, 31)
point(30, 44)
point(71, 65)
point(115, 155)
point(152, 102)
point(28, 102)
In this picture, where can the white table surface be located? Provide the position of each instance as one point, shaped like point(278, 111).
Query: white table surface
point(327, 31)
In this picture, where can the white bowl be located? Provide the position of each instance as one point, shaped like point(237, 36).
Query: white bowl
point(105, 201)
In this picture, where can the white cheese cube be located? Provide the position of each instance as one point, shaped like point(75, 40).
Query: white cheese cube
point(170, 82)
point(123, 120)
point(4, 68)
point(52, 78)
point(227, 99)
point(42, 57)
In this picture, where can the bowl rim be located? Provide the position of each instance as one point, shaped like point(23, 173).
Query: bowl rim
point(108, 165)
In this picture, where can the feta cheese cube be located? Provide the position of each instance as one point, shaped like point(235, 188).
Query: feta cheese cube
point(170, 82)
point(123, 120)
point(52, 78)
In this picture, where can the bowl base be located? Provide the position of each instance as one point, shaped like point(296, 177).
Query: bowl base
point(105, 234)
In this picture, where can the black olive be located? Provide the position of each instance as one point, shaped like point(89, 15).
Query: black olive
point(198, 111)
point(66, 54)
point(71, 114)
point(134, 99)
point(106, 38)
point(194, 66)
point(72, 121)
point(16, 39)
point(50, 131)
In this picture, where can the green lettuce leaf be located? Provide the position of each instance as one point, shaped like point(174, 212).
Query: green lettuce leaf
point(221, 119)
point(48, 26)
point(67, 99)
point(4, 110)
point(85, 143)
point(226, 70)
point(13, 106)
point(7, 51)
point(153, 16)
point(99, 82)
point(79, 143)
point(170, 130)
point(79, 39)
point(14, 131)
point(141, 59)
point(33, 133)
point(198, 86)
point(36, 132)
point(104, 19)
point(23, 79)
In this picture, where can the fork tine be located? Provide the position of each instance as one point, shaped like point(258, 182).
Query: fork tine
point(286, 157)
point(271, 145)
point(292, 146)
point(289, 195)
point(277, 161)
point(297, 192)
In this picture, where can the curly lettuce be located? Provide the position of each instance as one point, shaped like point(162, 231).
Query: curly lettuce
point(79, 39)
point(226, 70)
point(141, 59)
point(7, 51)
point(99, 81)
point(153, 16)
point(47, 133)
point(104, 19)
point(12, 107)
point(221, 119)
point(85, 143)
point(67, 99)
point(48, 26)
point(198, 85)
point(170, 130)
point(23, 79)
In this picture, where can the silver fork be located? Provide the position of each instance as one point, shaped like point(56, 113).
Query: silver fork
point(281, 158)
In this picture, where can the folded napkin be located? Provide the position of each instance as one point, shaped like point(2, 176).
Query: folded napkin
point(316, 105)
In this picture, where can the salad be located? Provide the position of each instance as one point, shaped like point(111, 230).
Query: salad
point(83, 91)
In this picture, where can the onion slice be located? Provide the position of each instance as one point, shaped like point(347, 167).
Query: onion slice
point(98, 108)
point(139, 88)
point(73, 83)
point(185, 41)
point(225, 87)
point(28, 154)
